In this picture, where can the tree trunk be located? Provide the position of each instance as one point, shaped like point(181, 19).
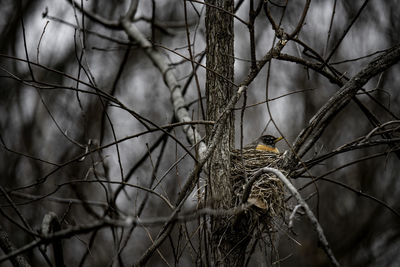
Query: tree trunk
point(228, 243)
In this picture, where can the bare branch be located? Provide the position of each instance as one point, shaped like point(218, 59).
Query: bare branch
point(306, 139)
point(7, 246)
point(309, 213)
point(51, 224)
point(170, 80)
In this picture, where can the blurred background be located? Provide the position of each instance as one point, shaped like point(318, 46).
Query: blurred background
point(48, 120)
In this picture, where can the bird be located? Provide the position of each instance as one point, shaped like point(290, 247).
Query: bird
point(265, 143)
point(266, 193)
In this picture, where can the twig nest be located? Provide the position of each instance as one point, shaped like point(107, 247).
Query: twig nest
point(267, 193)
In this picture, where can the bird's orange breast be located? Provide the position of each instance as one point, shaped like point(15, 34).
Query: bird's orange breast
point(267, 148)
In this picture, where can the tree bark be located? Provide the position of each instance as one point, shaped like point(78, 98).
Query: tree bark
point(228, 240)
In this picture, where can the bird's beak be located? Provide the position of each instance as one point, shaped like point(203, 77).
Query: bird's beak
point(278, 139)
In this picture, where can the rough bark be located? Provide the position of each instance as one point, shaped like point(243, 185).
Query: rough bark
point(228, 240)
point(219, 27)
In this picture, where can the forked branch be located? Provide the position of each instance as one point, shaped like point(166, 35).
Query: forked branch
point(309, 135)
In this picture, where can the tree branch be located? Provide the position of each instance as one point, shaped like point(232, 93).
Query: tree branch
point(309, 213)
point(309, 135)
point(160, 61)
point(7, 246)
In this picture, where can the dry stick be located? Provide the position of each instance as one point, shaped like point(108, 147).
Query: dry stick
point(34, 83)
point(7, 246)
point(146, 197)
point(70, 139)
point(339, 100)
point(357, 58)
point(330, 27)
point(51, 224)
point(159, 60)
point(113, 90)
point(65, 233)
point(329, 73)
point(72, 182)
point(292, 215)
point(285, 37)
point(368, 136)
point(347, 30)
point(99, 35)
point(26, 49)
point(40, 40)
point(26, 225)
point(346, 148)
point(337, 78)
point(195, 62)
point(301, 21)
point(90, 227)
point(309, 213)
point(252, 18)
point(216, 134)
point(90, 77)
point(102, 21)
point(70, 201)
point(169, 78)
point(181, 112)
point(5, 147)
point(362, 194)
point(192, 61)
point(351, 147)
point(221, 9)
point(61, 165)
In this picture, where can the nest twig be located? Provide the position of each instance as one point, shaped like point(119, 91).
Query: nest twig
point(267, 192)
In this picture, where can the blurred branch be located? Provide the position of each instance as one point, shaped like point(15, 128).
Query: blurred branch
point(147, 195)
point(359, 143)
point(89, 203)
point(345, 148)
point(5, 147)
point(301, 21)
point(73, 231)
point(160, 61)
point(359, 192)
point(54, 86)
point(330, 27)
point(51, 224)
point(336, 77)
point(215, 138)
point(46, 197)
point(102, 36)
point(189, 46)
point(272, 53)
point(83, 155)
point(130, 14)
point(26, 226)
point(144, 121)
point(346, 30)
point(220, 9)
point(25, 128)
point(304, 205)
point(99, 19)
point(279, 32)
point(8, 247)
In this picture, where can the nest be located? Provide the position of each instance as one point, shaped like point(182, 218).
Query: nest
point(267, 193)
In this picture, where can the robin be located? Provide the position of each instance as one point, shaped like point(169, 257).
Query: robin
point(265, 143)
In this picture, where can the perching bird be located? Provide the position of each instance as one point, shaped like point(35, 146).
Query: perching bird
point(265, 143)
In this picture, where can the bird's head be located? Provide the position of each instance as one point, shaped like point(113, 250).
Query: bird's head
point(267, 143)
